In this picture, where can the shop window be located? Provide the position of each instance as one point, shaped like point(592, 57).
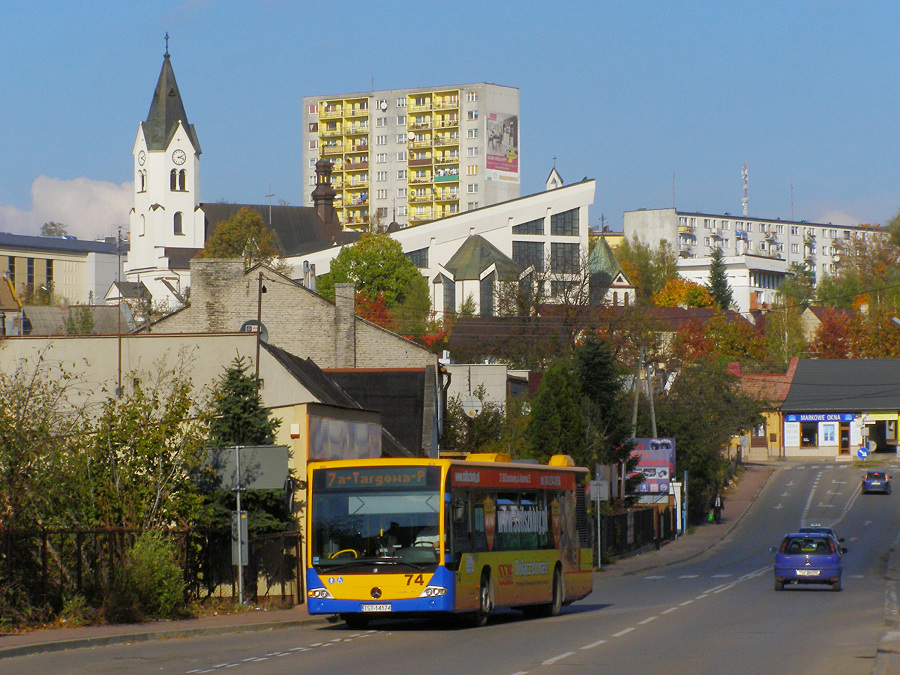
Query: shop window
point(809, 434)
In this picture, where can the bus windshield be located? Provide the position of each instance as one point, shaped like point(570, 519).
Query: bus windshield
point(377, 515)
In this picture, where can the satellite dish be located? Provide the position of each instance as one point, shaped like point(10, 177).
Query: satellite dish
point(411, 136)
point(254, 326)
point(383, 106)
point(472, 406)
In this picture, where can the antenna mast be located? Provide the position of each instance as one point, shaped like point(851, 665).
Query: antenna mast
point(745, 201)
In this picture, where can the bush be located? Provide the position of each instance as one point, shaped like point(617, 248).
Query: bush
point(150, 585)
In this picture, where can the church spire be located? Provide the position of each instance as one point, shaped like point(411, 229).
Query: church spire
point(166, 110)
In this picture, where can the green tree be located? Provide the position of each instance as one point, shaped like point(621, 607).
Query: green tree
point(557, 424)
point(649, 269)
point(53, 229)
point(463, 433)
point(79, 321)
point(798, 288)
point(703, 410)
point(375, 264)
point(783, 333)
point(718, 280)
point(239, 418)
point(245, 235)
point(608, 424)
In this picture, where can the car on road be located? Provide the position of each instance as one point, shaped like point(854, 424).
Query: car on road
point(876, 481)
point(821, 529)
point(808, 558)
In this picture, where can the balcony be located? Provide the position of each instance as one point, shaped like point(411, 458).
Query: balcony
point(420, 162)
point(333, 150)
point(356, 166)
point(769, 235)
point(420, 198)
point(420, 125)
point(330, 113)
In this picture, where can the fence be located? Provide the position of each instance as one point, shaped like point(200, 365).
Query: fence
point(45, 566)
point(623, 533)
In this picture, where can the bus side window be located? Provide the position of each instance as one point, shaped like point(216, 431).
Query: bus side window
point(462, 536)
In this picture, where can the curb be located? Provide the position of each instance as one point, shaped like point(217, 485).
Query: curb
point(124, 638)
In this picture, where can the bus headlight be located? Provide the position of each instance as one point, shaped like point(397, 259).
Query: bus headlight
point(319, 593)
point(433, 592)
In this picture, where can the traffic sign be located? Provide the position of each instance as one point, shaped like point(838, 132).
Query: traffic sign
point(863, 452)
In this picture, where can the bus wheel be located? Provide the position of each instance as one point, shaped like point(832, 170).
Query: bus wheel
point(557, 601)
point(551, 608)
point(355, 620)
point(480, 616)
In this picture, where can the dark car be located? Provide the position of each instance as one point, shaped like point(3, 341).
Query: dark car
point(808, 558)
point(820, 529)
point(876, 481)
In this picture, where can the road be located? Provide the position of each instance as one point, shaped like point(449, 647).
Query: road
point(714, 614)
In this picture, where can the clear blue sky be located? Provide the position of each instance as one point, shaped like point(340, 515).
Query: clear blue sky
point(628, 93)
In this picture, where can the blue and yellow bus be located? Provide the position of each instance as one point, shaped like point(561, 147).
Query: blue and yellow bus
point(412, 537)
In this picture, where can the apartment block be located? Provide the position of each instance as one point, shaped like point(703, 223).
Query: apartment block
point(414, 155)
point(758, 252)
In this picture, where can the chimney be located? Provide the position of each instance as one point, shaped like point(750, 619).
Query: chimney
point(344, 326)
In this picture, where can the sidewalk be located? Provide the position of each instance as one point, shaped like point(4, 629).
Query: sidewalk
point(737, 500)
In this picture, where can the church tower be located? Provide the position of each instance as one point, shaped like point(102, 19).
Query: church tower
point(167, 223)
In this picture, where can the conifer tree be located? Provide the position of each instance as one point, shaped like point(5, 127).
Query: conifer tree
point(718, 280)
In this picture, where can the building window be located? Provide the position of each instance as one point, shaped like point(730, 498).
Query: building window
point(401, 174)
point(312, 162)
point(795, 230)
point(528, 253)
point(449, 295)
point(381, 157)
point(178, 224)
point(564, 258)
point(401, 120)
point(472, 188)
point(182, 180)
point(809, 434)
point(472, 133)
point(313, 145)
point(471, 96)
point(381, 194)
point(381, 122)
point(401, 138)
point(401, 156)
point(471, 206)
point(419, 258)
point(143, 180)
point(565, 223)
point(401, 210)
point(48, 274)
point(313, 127)
point(381, 176)
point(487, 295)
point(472, 115)
point(472, 152)
point(401, 102)
point(381, 140)
point(558, 287)
point(401, 192)
point(173, 180)
point(312, 181)
point(535, 226)
point(381, 212)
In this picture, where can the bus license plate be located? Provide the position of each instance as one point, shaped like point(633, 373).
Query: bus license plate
point(807, 573)
point(376, 608)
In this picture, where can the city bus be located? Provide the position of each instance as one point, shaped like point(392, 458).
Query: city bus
point(391, 538)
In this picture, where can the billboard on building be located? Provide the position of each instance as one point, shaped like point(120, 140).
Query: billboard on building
point(656, 460)
point(502, 142)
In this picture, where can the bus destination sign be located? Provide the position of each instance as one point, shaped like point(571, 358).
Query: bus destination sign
point(375, 477)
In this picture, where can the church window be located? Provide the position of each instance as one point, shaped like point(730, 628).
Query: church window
point(173, 180)
point(182, 180)
point(178, 225)
point(143, 175)
point(143, 226)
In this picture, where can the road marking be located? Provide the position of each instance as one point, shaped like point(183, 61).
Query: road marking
point(715, 588)
point(595, 644)
point(623, 632)
point(646, 621)
point(669, 611)
point(550, 662)
point(778, 507)
point(689, 576)
point(721, 576)
point(655, 576)
point(686, 602)
point(700, 597)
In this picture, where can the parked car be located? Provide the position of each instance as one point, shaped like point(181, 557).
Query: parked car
point(821, 529)
point(808, 558)
point(876, 481)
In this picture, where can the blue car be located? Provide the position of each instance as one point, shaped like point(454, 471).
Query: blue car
point(808, 558)
point(876, 481)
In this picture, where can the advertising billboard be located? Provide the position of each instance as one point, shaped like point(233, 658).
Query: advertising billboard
point(502, 156)
point(656, 460)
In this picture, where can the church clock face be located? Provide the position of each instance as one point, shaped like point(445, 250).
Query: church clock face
point(142, 157)
point(178, 157)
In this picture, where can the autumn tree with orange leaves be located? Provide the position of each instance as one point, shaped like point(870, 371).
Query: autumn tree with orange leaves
point(681, 292)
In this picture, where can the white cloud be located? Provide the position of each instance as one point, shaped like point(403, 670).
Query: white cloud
point(88, 208)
